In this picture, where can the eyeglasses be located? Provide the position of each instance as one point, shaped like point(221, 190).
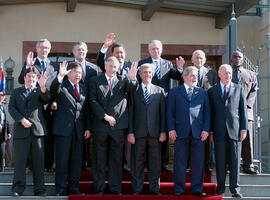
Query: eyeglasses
point(2, 95)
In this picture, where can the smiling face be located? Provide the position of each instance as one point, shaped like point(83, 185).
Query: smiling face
point(147, 74)
point(111, 67)
point(237, 59)
point(43, 50)
point(198, 59)
point(225, 74)
point(155, 50)
point(30, 80)
point(79, 52)
point(120, 54)
point(75, 75)
point(191, 78)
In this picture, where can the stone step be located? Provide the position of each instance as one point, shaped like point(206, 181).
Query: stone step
point(7, 177)
point(5, 189)
point(246, 179)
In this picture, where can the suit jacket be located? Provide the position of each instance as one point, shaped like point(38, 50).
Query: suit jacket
point(209, 78)
point(71, 113)
point(100, 62)
point(147, 118)
point(248, 81)
point(167, 71)
point(52, 69)
point(184, 116)
point(230, 115)
point(113, 103)
point(30, 107)
point(4, 123)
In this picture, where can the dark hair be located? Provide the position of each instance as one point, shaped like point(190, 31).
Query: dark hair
point(31, 69)
point(72, 65)
point(115, 45)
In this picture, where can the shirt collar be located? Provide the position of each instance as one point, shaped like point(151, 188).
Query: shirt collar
point(222, 86)
point(39, 59)
point(186, 87)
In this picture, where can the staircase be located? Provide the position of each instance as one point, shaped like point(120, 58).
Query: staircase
point(252, 186)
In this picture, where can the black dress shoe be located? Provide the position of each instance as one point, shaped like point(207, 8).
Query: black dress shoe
point(154, 193)
point(201, 194)
point(116, 193)
point(100, 193)
point(237, 195)
point(166, 169)
point(218, 194)
point(136, 193)
point(76, 193)
point(41, 193)
point(250, 171)
point(63, 193)
point(16, 194)
point(178, 194)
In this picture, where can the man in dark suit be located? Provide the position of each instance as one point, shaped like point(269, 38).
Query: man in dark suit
point(247, 79)
point(228, 127)
point(188, 120)
point(108, 101)
point(89, 70)
point(164, 72)
point(4, 130)
point(119, 52)
point(146, 127)
point(71, 125)
point(25, 107)
point(206, 79)
point(43, 64)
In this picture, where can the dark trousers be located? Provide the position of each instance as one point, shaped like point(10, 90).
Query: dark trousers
point(194, 149)
point(138, 155)
point(233, 147)
point(49, 151)
point(108, 145)
point(247, 148)
point(86, 161)
point(2, 153)
point(68, 163)
point(165, 152)
point(23, 147)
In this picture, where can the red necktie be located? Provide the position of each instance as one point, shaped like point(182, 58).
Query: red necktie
point(110, 85)
point(225, 94)
point(76, 92)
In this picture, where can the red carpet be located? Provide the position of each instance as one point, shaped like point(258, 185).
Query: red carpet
point(165, 177)
point(166, 189)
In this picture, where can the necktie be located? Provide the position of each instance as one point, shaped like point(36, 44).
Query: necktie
point(157, 70)
point(28, 91)
point(76, 92)
point(225, 94)
point(146, 95)
point(189, 93)
point(110, 84)
point(43, 66)
point(199, 78)
point(236, 75)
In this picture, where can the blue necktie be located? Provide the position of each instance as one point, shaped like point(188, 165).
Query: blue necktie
point(146, 95)
point(189, 93)
point(157, 70)
point(199, 78)
point(43, 66)
point(28, 91)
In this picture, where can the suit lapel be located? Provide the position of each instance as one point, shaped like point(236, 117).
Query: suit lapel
point(195, 93)
point(141, 94)
point(104, 86)
point(183, 92)
point(115, 86)
point(231, 91)
point(70, 89)
point(204, 78)
point(219, 92)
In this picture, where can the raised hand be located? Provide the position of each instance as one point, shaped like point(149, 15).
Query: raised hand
point(132, 72)
point(30, 60)
point(42, 79)
point(180, 63)
point(109, 40)
point(63, 69)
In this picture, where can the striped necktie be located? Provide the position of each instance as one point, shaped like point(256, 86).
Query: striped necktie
point(146, 95)
point(157, 69)
point(189, 93)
